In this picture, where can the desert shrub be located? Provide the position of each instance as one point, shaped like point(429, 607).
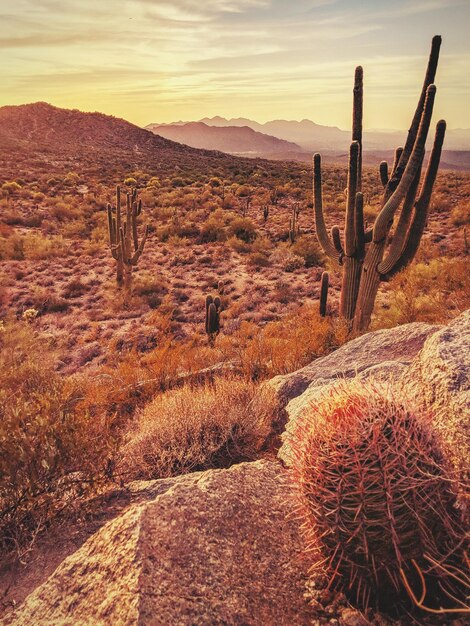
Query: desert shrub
point(238, 245)
point(49, 452)
point(285, 345)
point(35, 246)
point(258, 259)
point(151, 288)
point(75, 288)
point(286, 259)
point(11, 247)
point(308, 249)
point(197, 428)
point(243, 228)
point(460, 215)
point(47, 301)
point(378, 498)
point(426, 292)
point(214, 228)
point(11, 187)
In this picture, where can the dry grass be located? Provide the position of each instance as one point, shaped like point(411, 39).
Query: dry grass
point(49, 452)
point(192, 429)
point(433, 291)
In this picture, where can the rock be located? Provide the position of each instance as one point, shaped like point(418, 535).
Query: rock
point(216, 547)
point(383, 355)
point(439, 378)
point(436, 377)
point(398, 344)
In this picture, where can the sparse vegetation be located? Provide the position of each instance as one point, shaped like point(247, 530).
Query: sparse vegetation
point(197, 428)
point(99, 386)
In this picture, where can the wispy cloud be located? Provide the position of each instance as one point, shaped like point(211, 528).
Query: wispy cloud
point(153, 60)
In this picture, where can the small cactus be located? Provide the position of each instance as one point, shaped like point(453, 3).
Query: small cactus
point(293, 224)
point(212, 322)
point(325, 278)
point(378, 499)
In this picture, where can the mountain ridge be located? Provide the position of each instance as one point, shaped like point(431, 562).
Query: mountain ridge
point(310, 136)
point(231, 139)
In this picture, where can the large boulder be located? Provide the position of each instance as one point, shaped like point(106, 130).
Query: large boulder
point(217, 547)
point(430, 365)
point(382, 354)
point(400, 344)
point(439, 378)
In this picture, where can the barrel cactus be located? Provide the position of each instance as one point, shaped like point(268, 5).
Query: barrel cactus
point(378, 504)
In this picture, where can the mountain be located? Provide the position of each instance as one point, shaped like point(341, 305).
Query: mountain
point(42, 126)
point(314, 137)
point(231, 139)
point(43, 137)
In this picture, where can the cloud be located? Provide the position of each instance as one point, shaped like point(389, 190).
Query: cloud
point(241, 57)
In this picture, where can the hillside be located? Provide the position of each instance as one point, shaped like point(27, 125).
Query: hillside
point(43, 126)
point(231, 139)
point(40, 136)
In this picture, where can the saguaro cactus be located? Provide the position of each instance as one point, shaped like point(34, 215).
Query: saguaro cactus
point(123, 236)
point(212, 323)
point(325, 279)
point(364, 257)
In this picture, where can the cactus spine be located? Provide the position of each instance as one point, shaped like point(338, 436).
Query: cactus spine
point(364, 257)
point(123, 237)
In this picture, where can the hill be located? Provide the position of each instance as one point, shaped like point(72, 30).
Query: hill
point(41, 137)
point(232, 139)
point(43, 126)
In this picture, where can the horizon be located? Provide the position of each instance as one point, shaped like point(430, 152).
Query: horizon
point(159, 61)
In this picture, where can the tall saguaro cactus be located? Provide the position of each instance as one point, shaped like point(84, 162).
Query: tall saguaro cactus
point(123, 236)
point(366, 257)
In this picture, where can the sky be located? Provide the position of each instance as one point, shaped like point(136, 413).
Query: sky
point(166, 60)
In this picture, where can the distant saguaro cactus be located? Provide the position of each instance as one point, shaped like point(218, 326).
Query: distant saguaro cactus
point(212, 323)
point(293, 224)
point(123, 236)
point(365, 259)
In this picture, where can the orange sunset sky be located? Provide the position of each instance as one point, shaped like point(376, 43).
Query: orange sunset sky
point(160, 61)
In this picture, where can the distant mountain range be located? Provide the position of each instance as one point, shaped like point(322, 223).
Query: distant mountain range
point(71, 136)
point(303, 136)
point(241, 140)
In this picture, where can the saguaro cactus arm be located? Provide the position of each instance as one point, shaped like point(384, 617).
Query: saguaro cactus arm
point(353, 181)
point(336, 237)
point(415, 123)
point(360, 236)
point(357, 119)
point(397, 258)
point(383, 171)
point(385, 217)
point(325, 278)
point(322, 234)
